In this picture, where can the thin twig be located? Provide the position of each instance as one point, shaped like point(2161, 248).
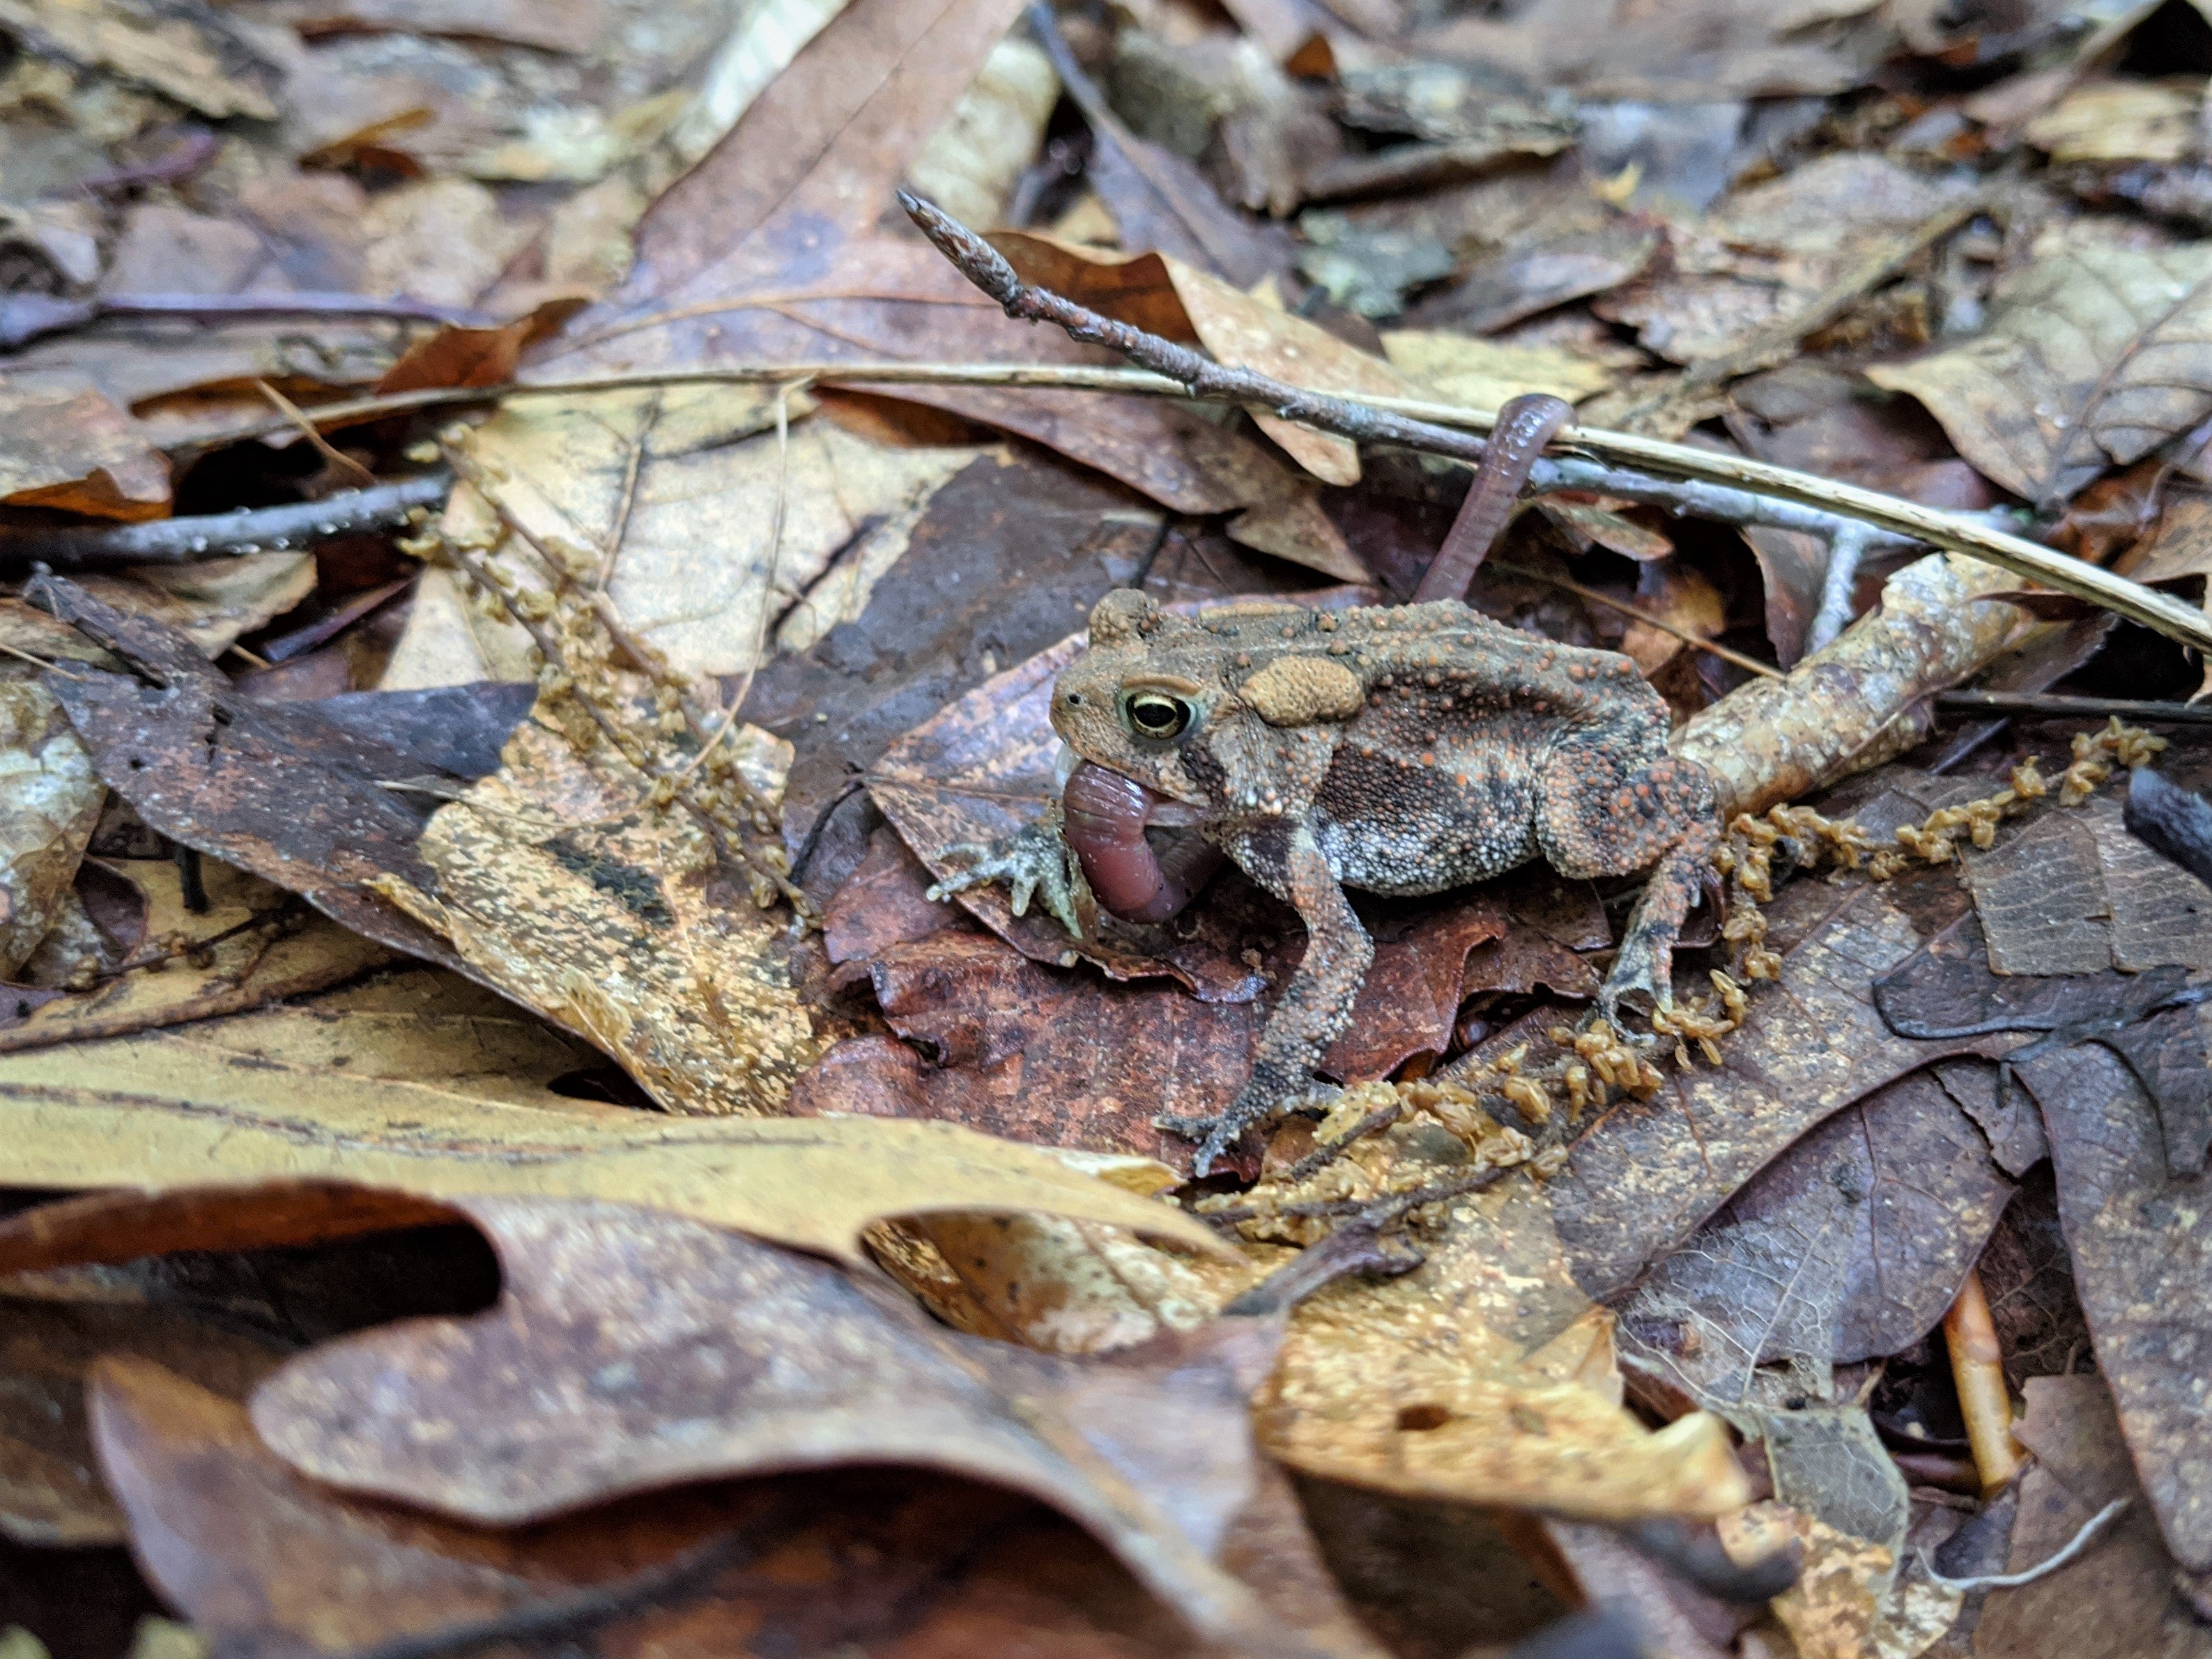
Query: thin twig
point(1838, 589)
point(1751, 664)
point(2080, 1541)
point(2065, 707)
point(1733, 488)
point(1375, 421)
point(1329, 1151)
point(253, 530)
point(361, 476)
point(30, 316)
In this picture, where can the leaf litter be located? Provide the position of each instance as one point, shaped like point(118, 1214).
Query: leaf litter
point(788, 642)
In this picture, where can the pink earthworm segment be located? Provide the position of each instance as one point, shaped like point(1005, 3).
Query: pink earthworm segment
point(1103, 819)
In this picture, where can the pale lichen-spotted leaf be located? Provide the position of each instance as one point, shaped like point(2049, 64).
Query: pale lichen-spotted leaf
point(563, 888)
point(2093, 357)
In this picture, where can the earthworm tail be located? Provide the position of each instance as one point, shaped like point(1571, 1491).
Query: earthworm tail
point(1103, 817)
point(1524, 426)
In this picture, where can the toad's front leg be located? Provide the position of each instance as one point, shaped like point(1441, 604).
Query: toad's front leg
point(1282, 856)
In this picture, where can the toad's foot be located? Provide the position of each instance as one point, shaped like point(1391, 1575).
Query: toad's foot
point(1032, 859)
point(1216, 1135)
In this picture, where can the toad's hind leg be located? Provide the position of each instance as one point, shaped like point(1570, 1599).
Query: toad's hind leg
point(1609, 807)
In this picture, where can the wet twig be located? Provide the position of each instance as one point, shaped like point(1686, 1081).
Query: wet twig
point(2059, 706)
point(250, 529)
point(1730, 488)
point(27, 317)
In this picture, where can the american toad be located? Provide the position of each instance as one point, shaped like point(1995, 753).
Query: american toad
point(1399, 750)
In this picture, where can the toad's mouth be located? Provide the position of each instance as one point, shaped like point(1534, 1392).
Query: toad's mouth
point(1104, 817)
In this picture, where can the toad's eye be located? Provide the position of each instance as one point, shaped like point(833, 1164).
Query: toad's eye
point(1157, 714)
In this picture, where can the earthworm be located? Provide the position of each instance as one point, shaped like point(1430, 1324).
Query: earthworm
point(1103, 818)
point(1524, 426)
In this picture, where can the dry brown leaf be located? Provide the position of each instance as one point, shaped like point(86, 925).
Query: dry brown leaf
point(1696, 52)
point(666, 1351)
point(219, 1110)
point(1165, 295)
point(253, 943)
point(2093, 357)
point(559, 884)
point(2121, 121)
point(67, 447)
point(53, 1331)
point(213, 601)
point(876, 1561)
point(771, 251)
point(50, 802)
point(1765, 254)
point(675, 495)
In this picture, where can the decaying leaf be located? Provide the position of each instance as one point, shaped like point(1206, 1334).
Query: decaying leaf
point(878, 1560)
point(561, 884)
point(272, 787)
point(2093, 357)
point(1850, 1601)
point(2120, 121)
point(667, 1351)
point(672, 496)
point(50, 801)
point(186, 1114)
point(2073, 893)
point(1646, 1174)
point(171, 55)
point(69, 447)
point(1484, 1376)
point(1848, 1246)
point(2137, 1242)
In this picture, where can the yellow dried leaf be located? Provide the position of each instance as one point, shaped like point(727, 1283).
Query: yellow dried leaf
point(242, 1103)
point(2121, 121)
point(1850, 1601)
point(1485, 1376)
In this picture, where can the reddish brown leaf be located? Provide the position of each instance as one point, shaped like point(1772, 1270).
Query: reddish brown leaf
point(50, 1490)
point(476, 357)
point(664, 1351)
point(69, 447)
